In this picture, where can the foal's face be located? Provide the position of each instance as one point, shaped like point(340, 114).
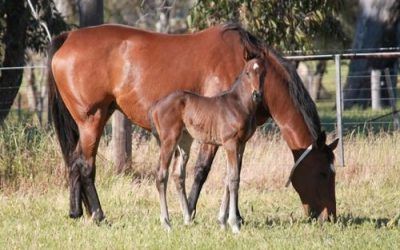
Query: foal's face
point(254, 72)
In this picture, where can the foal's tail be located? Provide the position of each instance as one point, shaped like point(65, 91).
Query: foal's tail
point(66, 128)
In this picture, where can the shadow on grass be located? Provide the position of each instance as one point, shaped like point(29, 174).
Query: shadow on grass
point(348, 220)
point(343, 221)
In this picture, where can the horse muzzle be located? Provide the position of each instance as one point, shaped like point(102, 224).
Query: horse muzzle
point(322, 215)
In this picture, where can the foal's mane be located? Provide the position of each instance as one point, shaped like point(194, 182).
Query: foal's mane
point(298, 93)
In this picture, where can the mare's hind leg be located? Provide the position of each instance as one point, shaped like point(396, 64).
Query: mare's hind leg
point(75, 188)
point(203, 165)
point(181, 158)
point(85, 161)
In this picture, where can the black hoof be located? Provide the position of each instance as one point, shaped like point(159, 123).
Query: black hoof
point(193, 215)
point(75, 215)
point(241, 220)
point(98, 216)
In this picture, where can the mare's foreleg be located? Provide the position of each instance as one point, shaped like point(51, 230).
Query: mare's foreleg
point(181, 158)
point(203, 165)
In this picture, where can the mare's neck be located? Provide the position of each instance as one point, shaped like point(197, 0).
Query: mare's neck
point(285, 113)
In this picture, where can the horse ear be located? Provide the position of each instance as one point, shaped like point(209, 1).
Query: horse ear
point(334, 144)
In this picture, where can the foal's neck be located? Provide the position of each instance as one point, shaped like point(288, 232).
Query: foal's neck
point(242, 93)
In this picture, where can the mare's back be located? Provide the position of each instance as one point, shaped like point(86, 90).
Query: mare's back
point(137, 68)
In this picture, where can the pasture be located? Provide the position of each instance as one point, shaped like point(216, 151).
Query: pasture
point(34, 199)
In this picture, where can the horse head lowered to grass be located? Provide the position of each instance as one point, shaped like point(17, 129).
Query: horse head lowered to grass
point(95, 70)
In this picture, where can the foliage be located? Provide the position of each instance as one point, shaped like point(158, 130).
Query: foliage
point(28, 153)
point(36, 37)
point(146, 14)
point(286, 25)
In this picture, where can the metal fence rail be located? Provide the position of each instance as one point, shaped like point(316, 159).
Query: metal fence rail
point(339, 100)
point(337, 57)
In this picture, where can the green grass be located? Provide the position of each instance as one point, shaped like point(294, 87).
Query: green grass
point(34, 195)
point(34, 199)
point(273, 220)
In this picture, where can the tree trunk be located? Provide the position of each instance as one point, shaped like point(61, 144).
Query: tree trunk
point(121, 142)
point(318, 89)
point(15, 44)
point(91, 13)
point(163, 22)
point(374, 30)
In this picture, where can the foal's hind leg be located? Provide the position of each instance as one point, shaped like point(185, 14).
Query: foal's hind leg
point(181, 158)
point(168, 146)
point(203, 165)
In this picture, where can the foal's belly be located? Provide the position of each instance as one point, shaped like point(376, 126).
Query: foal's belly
point(203, 136)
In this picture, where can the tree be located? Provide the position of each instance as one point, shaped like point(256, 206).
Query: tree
point(378, 26)
point(19, 31)
point(90, 12)
point(285, 25)
point(154, 15)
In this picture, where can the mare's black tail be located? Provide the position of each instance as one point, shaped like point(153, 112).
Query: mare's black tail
point(66, 128)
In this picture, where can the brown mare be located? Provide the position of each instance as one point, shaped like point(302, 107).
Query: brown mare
point(95, 70)
point(226, 120)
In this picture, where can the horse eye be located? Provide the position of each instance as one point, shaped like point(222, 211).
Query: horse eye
point(247, 73)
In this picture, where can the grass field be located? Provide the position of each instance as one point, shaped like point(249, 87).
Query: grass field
point(34, 199)
point(34, 195)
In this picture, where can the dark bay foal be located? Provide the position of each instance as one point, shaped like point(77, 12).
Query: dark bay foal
point(226, 120)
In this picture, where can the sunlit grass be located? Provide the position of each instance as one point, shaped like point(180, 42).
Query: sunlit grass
point(34, 199)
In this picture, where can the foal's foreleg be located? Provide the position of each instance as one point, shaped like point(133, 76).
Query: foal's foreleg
point(223, 210)
point(233, 155)
point(179, 173)
point(203, 165)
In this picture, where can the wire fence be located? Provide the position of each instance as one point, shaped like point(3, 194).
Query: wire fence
point(25, 103)
point(332, 97)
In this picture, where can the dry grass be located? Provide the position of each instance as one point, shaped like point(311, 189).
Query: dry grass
point(34, 199)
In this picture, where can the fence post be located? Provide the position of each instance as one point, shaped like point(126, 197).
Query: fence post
point(339, 108)
point(392, 97)
point(376, 89)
